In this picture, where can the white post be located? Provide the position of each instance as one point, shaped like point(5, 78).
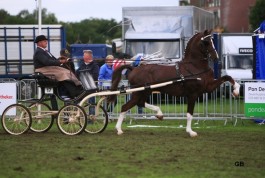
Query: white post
point(39, 16)
point(39, 33)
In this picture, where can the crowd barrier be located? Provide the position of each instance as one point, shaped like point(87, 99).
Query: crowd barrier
point(217, 105)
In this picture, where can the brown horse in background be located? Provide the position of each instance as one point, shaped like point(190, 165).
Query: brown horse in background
point(194, 71)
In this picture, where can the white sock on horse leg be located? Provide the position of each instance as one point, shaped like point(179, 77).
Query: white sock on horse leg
point(189, 120)
point(154, 108)
point(119, 122)
point(188, 127)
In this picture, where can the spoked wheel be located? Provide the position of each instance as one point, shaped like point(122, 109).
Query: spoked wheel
point(72, 120)
point(42, 118)
point(97, 119)
point(16, 119)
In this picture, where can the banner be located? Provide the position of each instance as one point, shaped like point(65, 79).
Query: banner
point(255, 99)
point(8, 95)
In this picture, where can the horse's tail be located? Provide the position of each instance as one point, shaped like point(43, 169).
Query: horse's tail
point(116, 78)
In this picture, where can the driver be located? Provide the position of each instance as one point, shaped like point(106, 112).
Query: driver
point(47, 64)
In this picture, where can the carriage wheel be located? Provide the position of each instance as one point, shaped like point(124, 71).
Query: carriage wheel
point(97, 119)
point(42, 119)
point(72, 119)
point(16, 119)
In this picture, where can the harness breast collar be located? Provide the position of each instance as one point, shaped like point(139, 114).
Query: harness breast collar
point(182, 77)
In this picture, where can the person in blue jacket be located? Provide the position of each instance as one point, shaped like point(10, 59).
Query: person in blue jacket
point(106, 70)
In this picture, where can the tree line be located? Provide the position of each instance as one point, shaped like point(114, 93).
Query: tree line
point(92, 30)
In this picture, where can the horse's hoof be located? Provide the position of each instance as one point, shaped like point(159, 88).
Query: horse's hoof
point(235, 94)
point(193, 134)
point(119, 132)
point(236, 88)
point(160, 117)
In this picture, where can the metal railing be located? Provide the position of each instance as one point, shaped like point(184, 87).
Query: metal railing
point(217, 105)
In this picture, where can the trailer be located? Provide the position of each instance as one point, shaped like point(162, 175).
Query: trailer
point(100, 52)
point(236, 53)
point(146, 30)
point(17, 47)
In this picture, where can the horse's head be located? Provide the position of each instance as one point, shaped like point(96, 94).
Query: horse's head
point(200, 46)
point(207, 46)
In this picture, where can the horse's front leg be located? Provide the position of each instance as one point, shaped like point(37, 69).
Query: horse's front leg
point(236, 88)
point(190, 109)
point(213, 84)
point(159, 114)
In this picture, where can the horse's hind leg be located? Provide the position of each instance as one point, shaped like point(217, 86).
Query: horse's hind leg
point(119, 123)
point(188, 127)
point(142, 102)
point(124, 109)
point(159, 114)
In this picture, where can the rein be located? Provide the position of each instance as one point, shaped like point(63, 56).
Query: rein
point(191, 74)
point(182, 77)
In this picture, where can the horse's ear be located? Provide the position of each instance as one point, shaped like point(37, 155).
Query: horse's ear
point(207, 32)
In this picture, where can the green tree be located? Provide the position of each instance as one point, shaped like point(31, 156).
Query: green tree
point(92, 30)
point(257, 14)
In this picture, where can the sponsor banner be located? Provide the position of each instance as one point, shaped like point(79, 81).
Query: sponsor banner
point(255, 109)
point(255, 99)
point(8, 95)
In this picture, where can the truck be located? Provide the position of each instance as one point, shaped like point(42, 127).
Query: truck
point(236, 53)
point(100, 52)
point(167, 29)
point(17, 47)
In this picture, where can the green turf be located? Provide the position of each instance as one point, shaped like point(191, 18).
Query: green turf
point(139, 152)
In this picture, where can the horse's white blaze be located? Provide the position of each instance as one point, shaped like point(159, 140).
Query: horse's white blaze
point(154, 108)
point(236, 88)
point(188, 127)
point(119, 122)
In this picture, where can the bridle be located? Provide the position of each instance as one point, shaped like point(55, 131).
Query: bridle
point(207, 53)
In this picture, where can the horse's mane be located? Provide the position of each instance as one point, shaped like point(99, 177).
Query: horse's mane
point(188, 47)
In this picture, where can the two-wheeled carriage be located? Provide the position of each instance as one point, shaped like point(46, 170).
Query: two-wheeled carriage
point(38, 115)
point(190, 77)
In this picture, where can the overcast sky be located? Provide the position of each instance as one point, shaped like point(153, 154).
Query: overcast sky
point(77, 10)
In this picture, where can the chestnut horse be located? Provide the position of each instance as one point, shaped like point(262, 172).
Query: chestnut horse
point(199, 51)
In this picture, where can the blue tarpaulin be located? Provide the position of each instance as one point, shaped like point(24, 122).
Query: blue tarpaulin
point(260, 58)
point(260, 53)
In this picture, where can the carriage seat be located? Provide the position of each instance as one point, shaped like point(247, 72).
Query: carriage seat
point(45, 81)
point(87, 80)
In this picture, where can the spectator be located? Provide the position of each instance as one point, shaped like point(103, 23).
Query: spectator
point(47, 64)
point(106, 70)
point(91, 66)
point(105, 75)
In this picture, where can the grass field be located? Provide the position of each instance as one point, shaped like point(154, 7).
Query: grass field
point(153, 152)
